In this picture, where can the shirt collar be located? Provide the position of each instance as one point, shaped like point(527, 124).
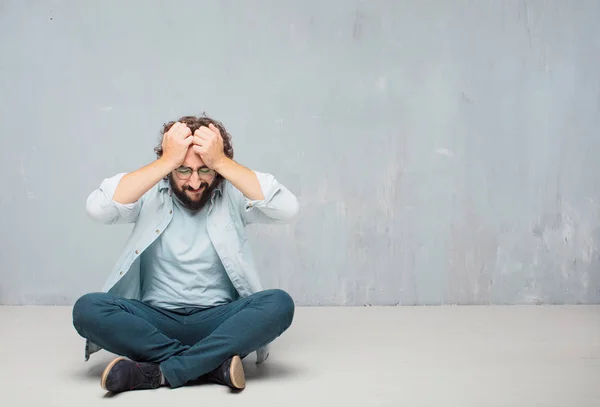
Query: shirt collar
point(163, 184)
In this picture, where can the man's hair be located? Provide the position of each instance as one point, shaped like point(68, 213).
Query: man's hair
point(194, 123)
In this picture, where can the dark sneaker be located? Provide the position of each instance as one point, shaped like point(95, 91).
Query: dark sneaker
point(122, 375)
point(230, 373)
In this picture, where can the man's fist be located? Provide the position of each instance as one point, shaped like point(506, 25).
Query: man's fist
point(175, 144)
point(209, 144)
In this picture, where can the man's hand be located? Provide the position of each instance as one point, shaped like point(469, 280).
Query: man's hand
point(209, 144)
point(176, 143)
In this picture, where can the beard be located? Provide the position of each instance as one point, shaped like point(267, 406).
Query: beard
point(194, 204)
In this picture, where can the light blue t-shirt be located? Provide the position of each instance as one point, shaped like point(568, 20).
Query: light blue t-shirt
point(182, 268)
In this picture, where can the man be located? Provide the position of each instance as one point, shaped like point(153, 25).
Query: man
point(184, 300)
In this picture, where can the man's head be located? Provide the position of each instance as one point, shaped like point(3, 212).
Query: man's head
point(193, 182)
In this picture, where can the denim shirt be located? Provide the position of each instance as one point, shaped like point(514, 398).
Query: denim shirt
point(228, 213)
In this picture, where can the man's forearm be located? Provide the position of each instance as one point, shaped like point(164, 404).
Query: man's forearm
point(242, 178)
point(135, 184)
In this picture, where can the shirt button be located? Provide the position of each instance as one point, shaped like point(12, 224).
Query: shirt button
point(170, 212)
point(137, 252)
point(121, 273)
point(157, 231)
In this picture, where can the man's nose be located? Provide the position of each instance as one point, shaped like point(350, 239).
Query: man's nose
point(195, 180)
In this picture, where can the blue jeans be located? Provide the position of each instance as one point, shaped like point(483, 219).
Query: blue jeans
point(188, 342)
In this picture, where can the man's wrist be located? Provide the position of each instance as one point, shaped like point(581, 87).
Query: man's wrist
point(222, 166)
point(166, 166)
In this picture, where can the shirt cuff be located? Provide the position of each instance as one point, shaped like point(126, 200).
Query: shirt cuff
point(109, 187)
point(269, 187)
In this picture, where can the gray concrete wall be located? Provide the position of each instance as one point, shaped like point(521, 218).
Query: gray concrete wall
point(443, 151)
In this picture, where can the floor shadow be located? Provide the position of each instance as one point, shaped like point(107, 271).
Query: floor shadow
point(96, 369)
point(267, 371)
point(271, 370)
point(91, 370)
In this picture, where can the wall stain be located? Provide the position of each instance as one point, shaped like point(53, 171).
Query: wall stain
point(357, 27)
point(473, 249)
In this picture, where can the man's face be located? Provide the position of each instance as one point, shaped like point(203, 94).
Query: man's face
point(193, 183)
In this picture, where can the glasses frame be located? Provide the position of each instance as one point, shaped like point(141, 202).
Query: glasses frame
point(203, 172)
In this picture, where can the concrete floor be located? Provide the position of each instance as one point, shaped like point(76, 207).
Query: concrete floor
point(397, 356)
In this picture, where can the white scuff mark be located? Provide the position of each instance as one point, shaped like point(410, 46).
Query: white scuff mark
point(533, 298)
point(381, 83)
point(567, 247)
point(106, 109)
point(31, 195)
point(315, 116)
point(279, 123)
point(444, 151)
point(585, 280)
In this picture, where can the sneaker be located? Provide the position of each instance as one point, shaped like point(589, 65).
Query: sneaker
point(122, 375)
point(230, 373)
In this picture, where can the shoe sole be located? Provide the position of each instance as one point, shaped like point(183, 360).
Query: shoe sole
point(236, 373)
point(107, 371)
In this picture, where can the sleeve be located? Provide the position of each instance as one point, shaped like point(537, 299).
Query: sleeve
point(279, 206)
point(101, 207)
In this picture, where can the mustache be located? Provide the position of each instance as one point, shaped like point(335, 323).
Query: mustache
point(203, 184)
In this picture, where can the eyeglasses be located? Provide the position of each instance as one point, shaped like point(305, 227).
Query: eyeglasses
point(184, 173)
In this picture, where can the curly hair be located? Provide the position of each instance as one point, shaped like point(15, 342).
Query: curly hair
point(194, 123)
